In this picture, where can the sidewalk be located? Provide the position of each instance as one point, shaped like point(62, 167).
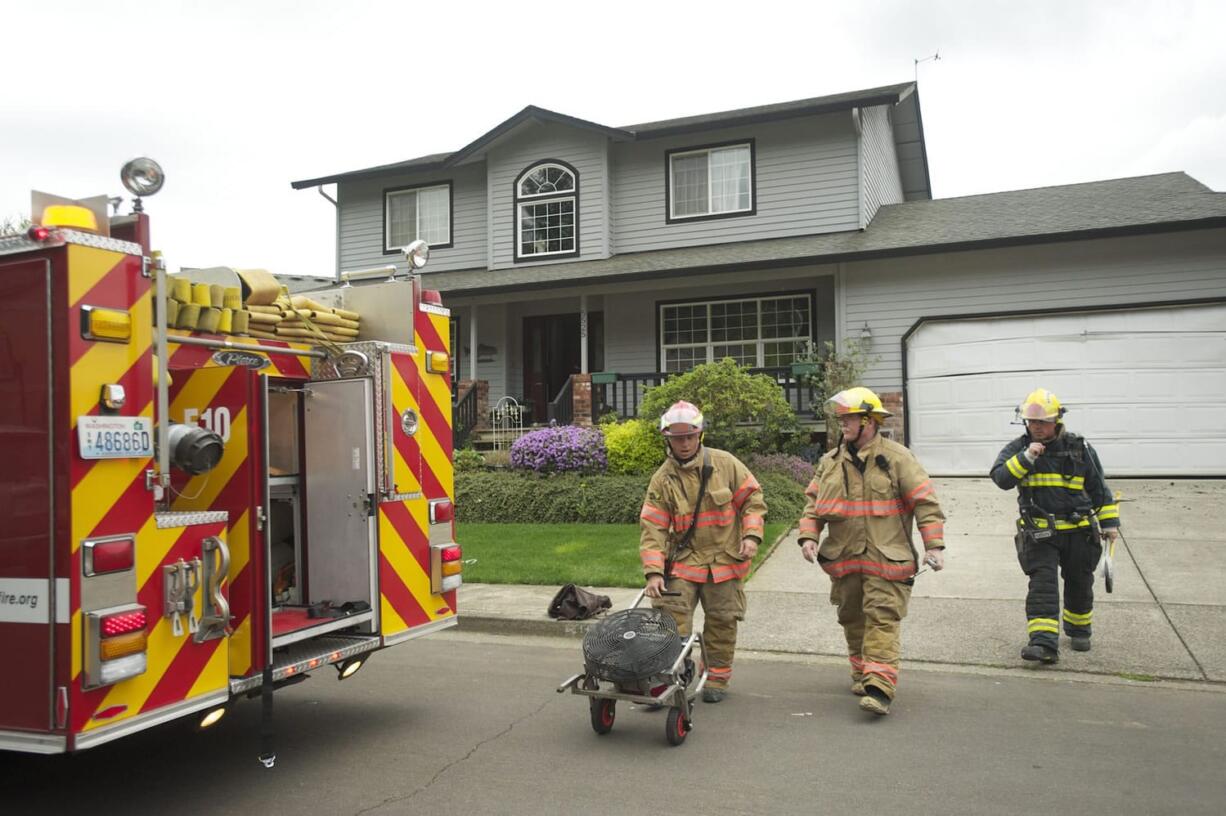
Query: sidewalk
point(1166, 618)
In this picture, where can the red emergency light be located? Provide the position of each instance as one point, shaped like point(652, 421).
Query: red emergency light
point(441, 511)
point(115, 555)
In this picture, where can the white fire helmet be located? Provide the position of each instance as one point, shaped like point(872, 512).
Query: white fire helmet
point(681, 413)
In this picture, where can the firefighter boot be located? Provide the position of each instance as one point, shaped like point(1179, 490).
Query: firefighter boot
point(713, 695)
point(1039, 652)
point(1080, 644)
point(857, 688)
point(875, 701)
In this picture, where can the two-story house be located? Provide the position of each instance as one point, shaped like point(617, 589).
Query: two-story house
point(566, 248)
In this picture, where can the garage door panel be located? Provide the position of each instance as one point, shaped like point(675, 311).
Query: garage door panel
point(1120, 373)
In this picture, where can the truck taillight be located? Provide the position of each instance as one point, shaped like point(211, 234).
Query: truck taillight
point(452, 553)
point(116, 644)
point(122, 623)
point(431, 296)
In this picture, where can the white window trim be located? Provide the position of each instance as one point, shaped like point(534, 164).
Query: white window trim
point(523, 199)
point(672, 193)
point(387, 215)
point(709, 345)
point(519, 225)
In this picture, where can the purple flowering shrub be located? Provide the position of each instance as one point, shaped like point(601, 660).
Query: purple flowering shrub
point(565, 449)
point(793, 467)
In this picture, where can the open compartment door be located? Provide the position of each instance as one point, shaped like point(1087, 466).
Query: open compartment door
point(340, 551)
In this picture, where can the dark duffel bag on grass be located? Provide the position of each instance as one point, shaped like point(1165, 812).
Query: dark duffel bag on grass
point(576, 603)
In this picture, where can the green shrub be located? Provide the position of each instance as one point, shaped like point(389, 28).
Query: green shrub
point(635, 447)
point(514, 497)
point(525, 498)
point(785, 500)
point(468, 459)
point(729, 397)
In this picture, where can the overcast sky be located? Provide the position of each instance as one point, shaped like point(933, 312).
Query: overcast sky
point(237, 98)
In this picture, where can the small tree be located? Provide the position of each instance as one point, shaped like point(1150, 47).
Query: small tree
point(745, 413)
point(835, 372)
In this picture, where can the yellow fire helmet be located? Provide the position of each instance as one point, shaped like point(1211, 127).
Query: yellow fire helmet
point(1043, 405)
point(858, 400)
point(70, 216)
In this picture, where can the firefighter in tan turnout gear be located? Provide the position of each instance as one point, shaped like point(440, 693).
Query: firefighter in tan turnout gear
point(865, 494)
point(701, 524)
point(1060, 485)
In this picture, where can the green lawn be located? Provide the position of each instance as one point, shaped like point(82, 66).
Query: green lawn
point(602, 555)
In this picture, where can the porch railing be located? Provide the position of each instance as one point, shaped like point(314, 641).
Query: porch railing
point(561, 409)
point(463, 418)
point(623, 393)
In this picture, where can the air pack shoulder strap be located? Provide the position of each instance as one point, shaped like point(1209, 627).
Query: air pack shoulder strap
point(689, 533)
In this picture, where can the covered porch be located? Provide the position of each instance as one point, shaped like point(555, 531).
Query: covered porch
point(574, 355)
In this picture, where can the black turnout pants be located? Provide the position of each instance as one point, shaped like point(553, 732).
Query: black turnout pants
point(1075, 553)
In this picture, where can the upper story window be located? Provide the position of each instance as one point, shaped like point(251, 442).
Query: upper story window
point(763, 332)
point(711, 182)
point(547, 211)
point(421, 212)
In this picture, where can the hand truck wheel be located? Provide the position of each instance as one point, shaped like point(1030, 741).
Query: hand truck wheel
point(604, 712)
point(678, 727)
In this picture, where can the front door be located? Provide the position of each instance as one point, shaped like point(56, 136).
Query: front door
point(551, 355)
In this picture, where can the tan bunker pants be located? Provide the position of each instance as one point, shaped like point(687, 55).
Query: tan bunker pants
point(723, 604)
point(871, 609)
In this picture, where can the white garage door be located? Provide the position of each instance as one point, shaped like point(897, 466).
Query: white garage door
point(1146, 386)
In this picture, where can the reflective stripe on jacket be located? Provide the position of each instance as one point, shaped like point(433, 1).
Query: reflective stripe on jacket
point(732, 508)
point(874, 508)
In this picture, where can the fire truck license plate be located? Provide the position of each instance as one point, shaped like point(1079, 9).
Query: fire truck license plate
point(114, 437)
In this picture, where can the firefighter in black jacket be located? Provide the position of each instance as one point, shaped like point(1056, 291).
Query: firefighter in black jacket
point(1066, 511)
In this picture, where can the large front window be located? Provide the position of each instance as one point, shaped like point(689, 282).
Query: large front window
point(417, 212)
point(756, 332)
point(547, 211)
point(713, 181)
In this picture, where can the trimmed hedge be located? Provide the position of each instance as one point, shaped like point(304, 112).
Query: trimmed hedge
point(509, 498)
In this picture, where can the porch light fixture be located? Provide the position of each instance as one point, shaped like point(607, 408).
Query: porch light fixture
point(866, 335)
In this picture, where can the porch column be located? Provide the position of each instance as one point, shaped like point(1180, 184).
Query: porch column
point(583, 334)
point(472, 344)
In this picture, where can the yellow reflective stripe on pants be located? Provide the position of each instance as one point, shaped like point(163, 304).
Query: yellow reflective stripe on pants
point(1076, 619)
point(1043, 625)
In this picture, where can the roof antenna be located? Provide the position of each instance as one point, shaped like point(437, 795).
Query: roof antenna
point(933, 58)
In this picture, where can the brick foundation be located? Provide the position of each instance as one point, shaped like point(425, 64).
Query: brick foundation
point(581, 398)
point(892, 402)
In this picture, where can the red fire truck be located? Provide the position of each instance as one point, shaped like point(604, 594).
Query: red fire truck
point(193, 517)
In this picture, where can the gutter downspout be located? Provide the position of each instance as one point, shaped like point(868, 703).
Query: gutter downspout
point(336, 205)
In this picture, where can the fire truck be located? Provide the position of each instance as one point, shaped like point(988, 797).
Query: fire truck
point(193, 517)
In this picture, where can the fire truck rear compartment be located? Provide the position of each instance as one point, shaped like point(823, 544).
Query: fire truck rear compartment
point(321, 531)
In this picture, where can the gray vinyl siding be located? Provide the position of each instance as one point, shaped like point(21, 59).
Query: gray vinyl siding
point(891, 294)
point(879, 163)
point(806, 182)
point(585, 151)
point(491, 332)
point(361, 220)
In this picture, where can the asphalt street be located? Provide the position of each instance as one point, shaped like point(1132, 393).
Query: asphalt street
point(471, 723)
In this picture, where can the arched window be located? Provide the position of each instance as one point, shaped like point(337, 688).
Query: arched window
point(547, 211)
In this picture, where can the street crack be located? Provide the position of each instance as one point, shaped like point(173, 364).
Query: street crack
point(493, 738)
